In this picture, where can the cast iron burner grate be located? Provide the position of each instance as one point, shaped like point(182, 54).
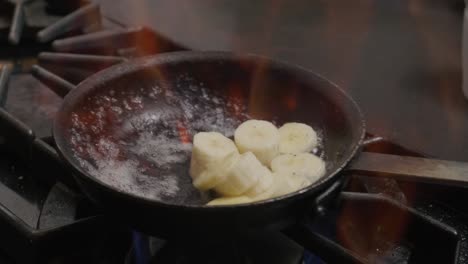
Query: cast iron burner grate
point(21, 19)
point(58, 220)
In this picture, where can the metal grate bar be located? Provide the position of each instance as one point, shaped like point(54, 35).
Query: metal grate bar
point(78, 60)
point(58, 85)
point(45, 157)
point(15, 135)
point(106, 40)
point(5, 73)
point(17, 23)
point(81, 18)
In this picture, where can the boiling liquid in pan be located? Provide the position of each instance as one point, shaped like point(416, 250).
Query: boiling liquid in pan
point(139, 140)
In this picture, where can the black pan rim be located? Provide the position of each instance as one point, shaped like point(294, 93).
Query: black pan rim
point(151, 61)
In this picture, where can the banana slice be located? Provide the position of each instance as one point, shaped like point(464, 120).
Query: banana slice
point(209, 149)
point(230, 200)
point(263, 189)
point(265, 195)
point(260, 137)
point(242, 175)
point(287, 182)
point(297, 138)
point(215, 173)
point(305, 165)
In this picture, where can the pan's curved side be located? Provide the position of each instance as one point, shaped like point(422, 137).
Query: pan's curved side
point(316, 101)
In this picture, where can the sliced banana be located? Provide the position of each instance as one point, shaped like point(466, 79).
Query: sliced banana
point(266, 195)
point(260, 137)
point(297, 138)
point(242, 175)
point(230, 200)
point(216, 162)
point(306, 165)
point(287, 182)
point(209, 150)
point(264, 187)
point(215, 173)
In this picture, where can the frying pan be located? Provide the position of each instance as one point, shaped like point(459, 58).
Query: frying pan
point(125, 133)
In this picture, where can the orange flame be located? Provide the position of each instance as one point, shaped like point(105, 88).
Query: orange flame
point(184, 135)
point(235, 96)
point(442, 52)
point(290, 100)
point(370, 230)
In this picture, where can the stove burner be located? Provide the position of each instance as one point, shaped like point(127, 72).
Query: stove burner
point(264, 247)
point(372, 241)
point(367, 225)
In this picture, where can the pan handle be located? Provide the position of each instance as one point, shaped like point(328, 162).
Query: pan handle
point(412, 168)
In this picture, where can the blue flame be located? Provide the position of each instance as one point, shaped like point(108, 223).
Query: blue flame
point(141, 252)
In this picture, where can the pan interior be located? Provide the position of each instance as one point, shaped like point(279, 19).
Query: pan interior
point(132, 132)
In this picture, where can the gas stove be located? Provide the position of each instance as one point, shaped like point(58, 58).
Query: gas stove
point(45, 219)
